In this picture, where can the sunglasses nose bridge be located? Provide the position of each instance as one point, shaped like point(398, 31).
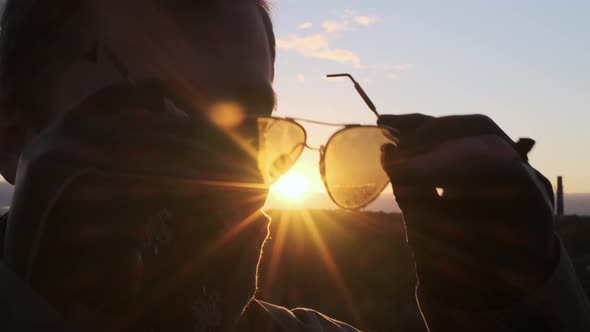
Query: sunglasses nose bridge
point(322, 164)
point(314, 148)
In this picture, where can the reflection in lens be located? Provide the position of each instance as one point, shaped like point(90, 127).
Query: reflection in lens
point(353, 174)
point(280, 144)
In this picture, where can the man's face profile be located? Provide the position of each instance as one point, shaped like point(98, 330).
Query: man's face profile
point(217, 52)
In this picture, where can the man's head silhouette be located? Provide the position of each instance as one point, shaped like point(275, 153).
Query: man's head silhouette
point(55, 55)
point(223, 49)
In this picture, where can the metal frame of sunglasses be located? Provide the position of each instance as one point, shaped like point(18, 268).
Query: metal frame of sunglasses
point(346, 198)
point(349, 162)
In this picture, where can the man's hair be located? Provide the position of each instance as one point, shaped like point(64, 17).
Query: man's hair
point(29, 28)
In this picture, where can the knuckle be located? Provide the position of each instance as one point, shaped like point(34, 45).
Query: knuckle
point(481, 119)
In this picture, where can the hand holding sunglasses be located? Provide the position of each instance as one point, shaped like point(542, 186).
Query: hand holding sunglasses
point(487, 240)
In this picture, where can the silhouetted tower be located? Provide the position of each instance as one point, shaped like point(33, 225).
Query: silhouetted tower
point(559, 198)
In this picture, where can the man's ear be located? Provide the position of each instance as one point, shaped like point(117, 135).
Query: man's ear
point(13, 138)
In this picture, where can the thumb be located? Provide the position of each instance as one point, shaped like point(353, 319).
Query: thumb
point(411, 196)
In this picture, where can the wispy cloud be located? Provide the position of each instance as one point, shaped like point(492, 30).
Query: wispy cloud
point(365, 20)
point(348, 20)
point(317, 46)
point(302, 43)
point(350, 15)
point(333, 26)
point(305, 25)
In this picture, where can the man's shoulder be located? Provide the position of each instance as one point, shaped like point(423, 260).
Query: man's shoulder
point(264, 316)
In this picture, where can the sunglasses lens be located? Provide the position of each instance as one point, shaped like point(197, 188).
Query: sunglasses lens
point(280, 144)
point(352, 170)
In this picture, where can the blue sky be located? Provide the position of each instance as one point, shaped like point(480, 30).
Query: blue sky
point(526, 64)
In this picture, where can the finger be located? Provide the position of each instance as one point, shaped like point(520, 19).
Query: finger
point(404, 122)
point(451, 163)
point(443, 129)
point(405, 194)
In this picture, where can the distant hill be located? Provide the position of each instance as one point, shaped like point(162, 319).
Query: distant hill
point(317, 200)
point(575, 204)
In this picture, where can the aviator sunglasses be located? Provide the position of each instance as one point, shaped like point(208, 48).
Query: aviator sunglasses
point(350, 161)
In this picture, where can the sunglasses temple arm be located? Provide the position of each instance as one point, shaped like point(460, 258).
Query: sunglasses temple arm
point(98, 50)
point(361, 92)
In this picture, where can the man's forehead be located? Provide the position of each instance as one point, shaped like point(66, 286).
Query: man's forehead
point(166, 15)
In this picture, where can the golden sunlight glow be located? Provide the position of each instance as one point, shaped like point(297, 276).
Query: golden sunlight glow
point(292, 186)
point(227, 115)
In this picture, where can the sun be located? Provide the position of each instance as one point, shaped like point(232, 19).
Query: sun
point(293, 186)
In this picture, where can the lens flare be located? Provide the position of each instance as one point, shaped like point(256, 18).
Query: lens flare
point(227, 115)
point(292, 186)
